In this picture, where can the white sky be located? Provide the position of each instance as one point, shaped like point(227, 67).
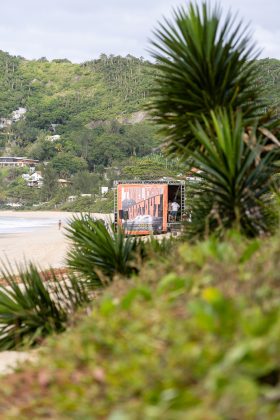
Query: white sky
point(83, 29)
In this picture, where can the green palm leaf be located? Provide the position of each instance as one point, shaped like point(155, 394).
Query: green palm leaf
point(99, 253)
point(204, 62)
point(36, 306)
point(236, 177)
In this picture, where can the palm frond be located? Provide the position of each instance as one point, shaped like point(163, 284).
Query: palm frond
point(203, 62)
point(99, 253)
point(236, 177)
point(36, 305)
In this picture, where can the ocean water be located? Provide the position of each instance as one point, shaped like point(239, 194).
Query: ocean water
point(12, 224)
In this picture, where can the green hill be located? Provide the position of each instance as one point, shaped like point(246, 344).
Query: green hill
point(56, 91)
point(95, 110)
point(269, 78)
point(90, 105)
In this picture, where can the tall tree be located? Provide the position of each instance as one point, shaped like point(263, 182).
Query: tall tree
point(50, 183)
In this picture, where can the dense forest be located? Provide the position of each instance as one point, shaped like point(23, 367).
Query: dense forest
point(88, 105)
point(78, 118)
point(83, 118)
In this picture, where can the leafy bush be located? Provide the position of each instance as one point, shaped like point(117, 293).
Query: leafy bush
point(36, 305)
point(90, 204)
point(196, 336)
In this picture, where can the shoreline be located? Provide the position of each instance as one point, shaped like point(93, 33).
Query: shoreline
point(45, 246)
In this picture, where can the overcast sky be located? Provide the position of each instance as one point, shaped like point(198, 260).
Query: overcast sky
point(83, 29)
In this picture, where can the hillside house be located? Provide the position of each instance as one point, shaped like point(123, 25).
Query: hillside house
point(12, 161)
point(54, 138)
point(5, 122)
point(71, 198)
point(33, 180)
point(104, 190)
point(18, 114)
point(63, 182)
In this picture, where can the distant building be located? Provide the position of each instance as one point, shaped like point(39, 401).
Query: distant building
point(54, 138)
point(5, 122)
point(14, 205)
point(104, 190)
point(71, 198)
point(33, 180)
point(63, 182)
point(18, 114)
point(17, 161)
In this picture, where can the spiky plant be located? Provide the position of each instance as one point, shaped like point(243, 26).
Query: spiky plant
point(36, 304)
point(204, 62)
point(235, 177)
point(99, 253)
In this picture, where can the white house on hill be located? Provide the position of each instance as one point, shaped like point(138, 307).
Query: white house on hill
point(33, 180)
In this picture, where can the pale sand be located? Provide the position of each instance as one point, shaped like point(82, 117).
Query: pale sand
point(45, 246)
point(9, 360)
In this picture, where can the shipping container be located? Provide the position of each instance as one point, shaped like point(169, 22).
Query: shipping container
point(145, 207)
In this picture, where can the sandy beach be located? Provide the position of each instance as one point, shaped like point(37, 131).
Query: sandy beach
point(45, 246)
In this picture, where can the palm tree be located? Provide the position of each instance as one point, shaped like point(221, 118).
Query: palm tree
point(203, 62)
point(208, 105)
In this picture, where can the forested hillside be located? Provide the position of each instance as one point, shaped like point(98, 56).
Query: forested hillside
point(269, 78)
point(82, 103)
point(81, 118)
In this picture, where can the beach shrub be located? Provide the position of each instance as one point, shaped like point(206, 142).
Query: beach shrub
point(194, 336)
point(99, 253)
point(35, 304)
point(90, 204)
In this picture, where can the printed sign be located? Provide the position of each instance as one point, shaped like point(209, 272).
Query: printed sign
point(142, 208)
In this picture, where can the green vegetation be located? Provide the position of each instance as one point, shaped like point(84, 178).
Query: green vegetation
point(33, 309)
point(90, 106)
point(79, 118)
point(182, 328)
point(268, 79)
point(204, 63)
point(98, 253)
point(96, 110)
point(152, 167)
point(91, 205)
point(195, 336)
point(208, 106)
point(236, 177)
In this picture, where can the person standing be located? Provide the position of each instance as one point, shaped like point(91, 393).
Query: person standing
point(174, 210)
point(59, 224)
